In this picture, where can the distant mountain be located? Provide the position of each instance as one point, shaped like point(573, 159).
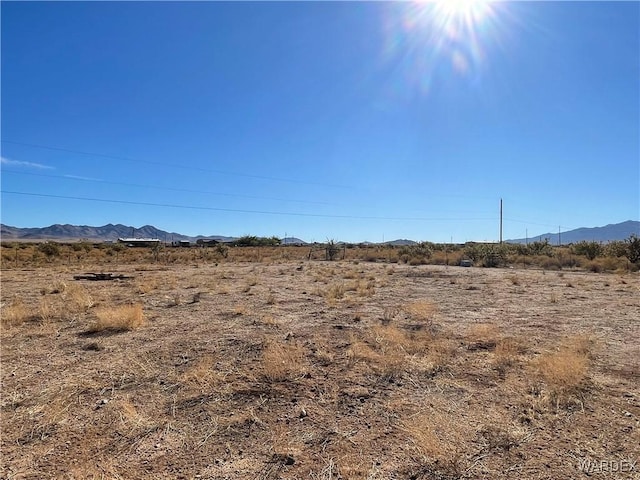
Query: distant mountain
point(400, 243)
point(111, 232)
point(105, 233)
point(608, 233)
point(293, 241)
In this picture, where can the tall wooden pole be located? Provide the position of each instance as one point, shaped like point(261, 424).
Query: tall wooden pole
point(500, 221)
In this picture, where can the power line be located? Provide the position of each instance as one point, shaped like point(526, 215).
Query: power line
point(174, 189)
point(234, 210)
point(185, 166)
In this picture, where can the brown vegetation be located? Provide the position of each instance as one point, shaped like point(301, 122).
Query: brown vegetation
point(289, 368)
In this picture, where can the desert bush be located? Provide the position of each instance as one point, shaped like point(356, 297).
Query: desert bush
point(549, 263)
point(591, 250)
point(253, 241)
point(605, 264)
point(331, 250)
point(633, 248)
point(540, 248)
point(418, 254)
point(81, 246)
point(50, 249)
point(488, 254)
point(616, 248)
point(118, 319)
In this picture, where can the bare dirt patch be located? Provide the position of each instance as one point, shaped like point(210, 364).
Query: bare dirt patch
point(319, 370)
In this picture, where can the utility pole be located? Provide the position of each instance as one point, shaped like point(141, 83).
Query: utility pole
point(500, 221)
point(559, 236)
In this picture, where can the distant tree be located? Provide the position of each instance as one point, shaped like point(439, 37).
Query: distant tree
point(253, 241)
point(633, 248)
point(50, 249)
point(616, 248)
point(540, 248)
point(591, 250)
point(331, 250)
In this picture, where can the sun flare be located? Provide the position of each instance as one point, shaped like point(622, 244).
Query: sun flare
point(465, 10)
point(437, 40)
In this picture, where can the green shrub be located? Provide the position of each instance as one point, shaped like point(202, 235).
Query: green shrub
point(50, 249)
point(633, 248)
point(591, 250)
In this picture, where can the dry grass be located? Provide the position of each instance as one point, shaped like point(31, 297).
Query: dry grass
point(422, 311)
point(563, 372)
point(422, 379)
point(283, 361)
point(203, 374)
point(441, 438)
point(121, 318)
point(77, 299)
point(16, 313)
point(507, 352)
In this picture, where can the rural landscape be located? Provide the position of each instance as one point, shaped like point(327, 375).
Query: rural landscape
point(320, 240)
point(320, 362)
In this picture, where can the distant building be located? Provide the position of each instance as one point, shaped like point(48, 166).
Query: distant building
point(140, 242)
point(181, 243)
point(206, 242)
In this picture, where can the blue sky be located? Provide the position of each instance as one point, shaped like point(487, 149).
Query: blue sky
point(347, 120)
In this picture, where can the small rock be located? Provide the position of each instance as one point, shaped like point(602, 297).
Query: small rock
point(627, 414)
point(303, 413)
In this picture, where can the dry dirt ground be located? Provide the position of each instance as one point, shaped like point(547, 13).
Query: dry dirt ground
point(320, 370)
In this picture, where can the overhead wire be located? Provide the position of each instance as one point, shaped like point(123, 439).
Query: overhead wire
point(157, 187)
point(185, 166)
point(238, 210)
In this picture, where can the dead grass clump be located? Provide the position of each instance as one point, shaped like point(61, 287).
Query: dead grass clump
point(563, 372)
point(389, 314)
point(57, 287)
point(365, 288)
point(507, 352)
point(77, 299)
point(203, 374)
point(392, 345)
point(118, 319)
point(147, 285)
point(482, 336)
point(16, 313)
point(47, 311)
point(334, 293)
point(360, 351)
point(441, 352)
point(271, 298)
point(441, 440)
point(422, 311)
point(282, 361)
point(270, 321)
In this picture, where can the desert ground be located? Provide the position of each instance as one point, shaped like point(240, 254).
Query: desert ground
point(310, 369)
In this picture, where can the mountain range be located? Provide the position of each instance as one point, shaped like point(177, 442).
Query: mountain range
point(608, 233)
point(111, 232)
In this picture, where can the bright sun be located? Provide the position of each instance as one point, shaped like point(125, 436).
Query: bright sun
point(437, 38)
point(466, 12)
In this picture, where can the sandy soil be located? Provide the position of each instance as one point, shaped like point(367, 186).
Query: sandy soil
point(320, 370)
